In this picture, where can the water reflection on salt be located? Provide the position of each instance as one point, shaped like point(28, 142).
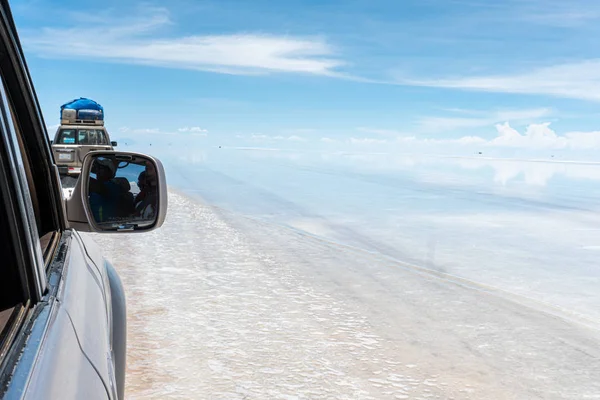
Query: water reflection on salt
point(520, 225)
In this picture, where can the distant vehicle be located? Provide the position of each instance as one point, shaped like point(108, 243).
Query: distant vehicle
point(81, 131)
point(62, 305)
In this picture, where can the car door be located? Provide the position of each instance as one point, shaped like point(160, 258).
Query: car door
point(46, 332)
point(55, 314)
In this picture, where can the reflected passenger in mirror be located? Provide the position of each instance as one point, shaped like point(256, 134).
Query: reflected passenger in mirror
point(146, 199)
point(123, 192)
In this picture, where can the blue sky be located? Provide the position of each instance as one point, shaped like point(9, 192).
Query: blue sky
point(325, 73)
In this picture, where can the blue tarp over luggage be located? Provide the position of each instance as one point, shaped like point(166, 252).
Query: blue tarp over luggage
point(85, 108)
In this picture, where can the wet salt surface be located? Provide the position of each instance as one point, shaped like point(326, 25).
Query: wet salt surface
point(526, 228)
point(222, 306)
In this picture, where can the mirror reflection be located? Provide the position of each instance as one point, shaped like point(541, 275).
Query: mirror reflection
point(123, 192)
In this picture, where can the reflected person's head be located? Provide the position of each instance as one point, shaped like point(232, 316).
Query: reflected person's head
point(150, 175)
point(105, 169)
point(141, 180)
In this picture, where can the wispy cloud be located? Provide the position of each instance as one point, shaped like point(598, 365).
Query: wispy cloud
point(464, 119)
point(136, 40)
point(125, 129)
point(260, 137)
point(480, 119)
point(558, 13)
point(193, 130)
point(579, 80)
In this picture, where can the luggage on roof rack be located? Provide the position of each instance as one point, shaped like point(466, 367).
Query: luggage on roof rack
point(82, 111)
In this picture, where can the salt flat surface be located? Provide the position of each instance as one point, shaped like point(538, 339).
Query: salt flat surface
point(529, 228)
point(227, 306)
point(299, 275)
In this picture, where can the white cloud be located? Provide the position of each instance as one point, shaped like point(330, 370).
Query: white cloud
point(535, 137)
point(193, 129)
point(157, 131)
point(470, 140)
point(440, 124)
point(52, 128)
point(584, 140)
point(263, 137)
point(125, 129)
point(465, 140)
point(134, 40)
point(473, 119)
point(578, 80)
point(148, 130)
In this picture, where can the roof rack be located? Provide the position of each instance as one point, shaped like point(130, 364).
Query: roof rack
point(81, 122)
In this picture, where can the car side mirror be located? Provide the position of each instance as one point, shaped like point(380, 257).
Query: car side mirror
point(113, 144)
point(118, 192)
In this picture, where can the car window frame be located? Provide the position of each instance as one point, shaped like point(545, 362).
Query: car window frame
point(30, 125)
point(26, 256)
point(26, 139)
point(24, 142)
point(27, 241)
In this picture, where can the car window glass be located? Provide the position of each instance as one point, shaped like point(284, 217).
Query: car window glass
point(67, 136)
point(10, 289)
point(23, 157)
point(26, 185)
point(93, 137)
point(82, 137)
point(13, 289)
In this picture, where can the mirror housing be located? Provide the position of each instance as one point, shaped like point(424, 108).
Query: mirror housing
point(113, 144)
point(79, 212)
